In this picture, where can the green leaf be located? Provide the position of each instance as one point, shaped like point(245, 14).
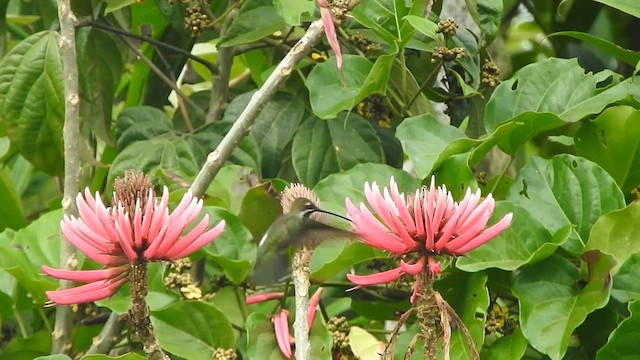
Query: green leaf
point(333, 189)
point(156, 157)
point(364, 345)
point(526, 241)
point(386, 18)
point(19, 348)
point(426, 27)
point(231, 301)
point(100, 63)
point(56, 357)
point(628, 6)
point(443, 141)
point(547, 95)
point(256, 20)
point(234, 250)
point(614, 233)
point(328, 95)
point(627, 56)
point(511, 346)
point(612, 140)
point(195, 336)
point(626, 287)
point(623, 342)
point(127, 356)
point(11, 214)
point(293, 10)
point(230, 186)
point(261, 338)
point(551, 290)
point(469, 297)
point(259, 210)
point(332, 258)
point(140, 123)
point(274, 127)
point(455, 172)
point(32, 100)
point(487, 14)
point(566, 190)
point(208, 137)
point(321, 148)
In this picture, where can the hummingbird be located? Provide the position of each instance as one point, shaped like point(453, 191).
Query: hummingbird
point(293, 230)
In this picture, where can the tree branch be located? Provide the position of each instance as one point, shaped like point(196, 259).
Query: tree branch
point(220, 88)
point(72, 168)
point(108, 336)
point(241, 126)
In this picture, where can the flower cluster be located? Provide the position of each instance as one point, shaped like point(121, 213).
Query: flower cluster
point(281, 324)
point(420, 226)
point(137, 229)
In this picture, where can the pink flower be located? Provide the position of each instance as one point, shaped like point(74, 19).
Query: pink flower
point(258, 298)
point(332, 37)
point(114, 237)
point(420, 226)
point(281, 324)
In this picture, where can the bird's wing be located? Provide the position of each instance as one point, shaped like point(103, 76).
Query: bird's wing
point(315, 233)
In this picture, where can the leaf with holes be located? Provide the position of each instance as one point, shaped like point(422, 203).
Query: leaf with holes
point(566, 190)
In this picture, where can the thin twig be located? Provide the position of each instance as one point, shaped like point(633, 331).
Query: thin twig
point(156, 43)
point(72, 168)
point(220, 89)
point(104, 342)
point(163, 77)
point(390, 348)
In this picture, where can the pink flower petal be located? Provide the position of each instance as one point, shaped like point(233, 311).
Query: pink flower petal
point(283, 336)
point(198, 243)
point(84, 275)
point(374, 279)
point(332, 37)
point(412, 269)
point(258, 298)
point(485, 236)
point(313, 304)
point(434, 266)
point(86, 293)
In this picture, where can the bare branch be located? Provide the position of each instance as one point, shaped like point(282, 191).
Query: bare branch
point(72, 166)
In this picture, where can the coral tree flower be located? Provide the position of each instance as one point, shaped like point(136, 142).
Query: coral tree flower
point(137, 229)
point(330, 32)
point(420, 226)
point(281, 324)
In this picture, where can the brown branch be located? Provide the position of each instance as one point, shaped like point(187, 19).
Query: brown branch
point(220, 86)
point(104, 342)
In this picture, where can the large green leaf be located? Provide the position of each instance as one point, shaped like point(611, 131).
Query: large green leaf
point(100, 63)
point(526, 241)
point(628, 6)
point(553, 302)
point(615, 233)
point(256, 20)
point(626, 286)
point(386, 19)
point(193, 329)
point(333, 189)
point(127, 356)
point(293, 10)
point(140, 123)
point(207, 138)
point(157, 157)
point(11, 210)
point(612, 140)
point(511, 346)
point(566, 190)
point(428, 142)
point(547, 95)
point(234, 250)
point(230, 186)
point(27, 348)
point(321, 148)
point(623, 342)
point(259, 210)
point(32, 100)
point(327, 93)
point(469, 297)
point(628, 56)
point(273, 129)
point(332, 258)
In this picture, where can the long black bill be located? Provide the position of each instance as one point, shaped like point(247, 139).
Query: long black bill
point(332, 213)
